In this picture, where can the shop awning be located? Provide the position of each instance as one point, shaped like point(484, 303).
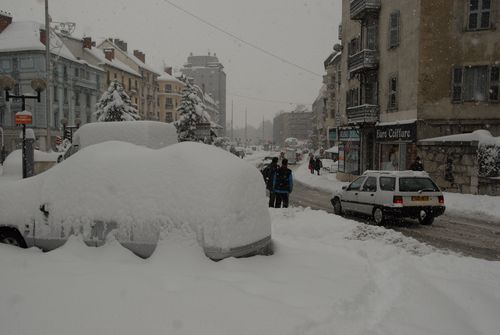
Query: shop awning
point(333, 150)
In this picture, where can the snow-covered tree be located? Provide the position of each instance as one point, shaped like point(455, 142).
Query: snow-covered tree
point(489, 161)
point(115, 105)
point(191, 113)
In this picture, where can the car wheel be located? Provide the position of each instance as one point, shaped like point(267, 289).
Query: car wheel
point(424, 218)
point(378, 216)
point(12, 237)
point(337, 206)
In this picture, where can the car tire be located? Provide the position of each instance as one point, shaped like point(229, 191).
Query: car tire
point(12, 237)
point(424, 218)
point(378, 216)
point(337, 206)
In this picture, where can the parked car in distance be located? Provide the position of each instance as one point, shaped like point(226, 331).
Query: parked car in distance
point(396, 194)
point(151, 134)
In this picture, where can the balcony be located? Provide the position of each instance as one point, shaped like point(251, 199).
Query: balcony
point(363, 114)
point(363, 61)
point(362, 8)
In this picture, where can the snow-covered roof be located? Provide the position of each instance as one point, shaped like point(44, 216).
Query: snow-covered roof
point(168, 77)
point(25, 36)
point(116, 63)
point(482, 136)
point(130, 56)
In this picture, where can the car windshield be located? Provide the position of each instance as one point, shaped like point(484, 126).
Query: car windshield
point(417, 184)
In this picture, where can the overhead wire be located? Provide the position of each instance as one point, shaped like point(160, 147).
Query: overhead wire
point(269, 53)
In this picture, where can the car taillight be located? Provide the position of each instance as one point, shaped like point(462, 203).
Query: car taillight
point(398, 200)
point(441, 199)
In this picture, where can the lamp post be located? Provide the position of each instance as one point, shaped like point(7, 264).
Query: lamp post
point(7, 83)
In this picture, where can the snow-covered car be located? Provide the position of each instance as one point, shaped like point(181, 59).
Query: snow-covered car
point(151, 134)
point(140, 194)
point(383, 194)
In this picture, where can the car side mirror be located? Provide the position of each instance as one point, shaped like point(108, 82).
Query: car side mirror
point(344, 188)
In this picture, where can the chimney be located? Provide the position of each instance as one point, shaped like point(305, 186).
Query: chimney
point(87, 42)
point(5, 20)
point(43, 37)
point(121, 44)
point(168, 69)
point(140, 55)
point(109, 53)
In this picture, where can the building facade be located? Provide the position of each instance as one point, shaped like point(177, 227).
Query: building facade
point(208, 73)
point(298, 124)
point(148, 100)
point(332, 81)
point(76, 84)
point(170, 94)
point(415, 69)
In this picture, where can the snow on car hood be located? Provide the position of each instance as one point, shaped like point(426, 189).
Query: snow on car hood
point(184, 186)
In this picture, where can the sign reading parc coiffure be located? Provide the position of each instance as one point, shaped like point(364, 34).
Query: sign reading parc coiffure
point(397, 132)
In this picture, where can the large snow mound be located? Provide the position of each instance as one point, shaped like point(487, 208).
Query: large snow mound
point(186, 186)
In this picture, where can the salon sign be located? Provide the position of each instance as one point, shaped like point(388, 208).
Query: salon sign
point(406, 132)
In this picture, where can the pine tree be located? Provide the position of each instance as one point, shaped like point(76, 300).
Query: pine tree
point(191, 113)
point(115, 105)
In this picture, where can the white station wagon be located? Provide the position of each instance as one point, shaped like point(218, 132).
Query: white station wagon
point(384, 194)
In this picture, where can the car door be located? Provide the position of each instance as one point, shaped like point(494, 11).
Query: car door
point(366, 196)
point(350, 196)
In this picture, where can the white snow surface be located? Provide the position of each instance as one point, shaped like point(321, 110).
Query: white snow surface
point(329, 275)
point(151, 134)
point(457, 204)
point(186, 186)
point(482, 136)
point(13, 162)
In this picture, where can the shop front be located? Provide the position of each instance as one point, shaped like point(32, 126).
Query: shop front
point(349, 151)
point(396, 145)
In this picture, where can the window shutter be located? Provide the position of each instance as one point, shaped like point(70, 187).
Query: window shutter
point(394, 29)
point(456, 91)
point(495, 83)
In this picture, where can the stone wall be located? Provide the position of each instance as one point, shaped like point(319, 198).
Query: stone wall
point(489, 186)
point(452, 165)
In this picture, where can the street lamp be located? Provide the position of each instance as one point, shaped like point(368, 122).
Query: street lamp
point(7, 83)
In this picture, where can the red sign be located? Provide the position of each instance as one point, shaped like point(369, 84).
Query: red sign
point(24, 118)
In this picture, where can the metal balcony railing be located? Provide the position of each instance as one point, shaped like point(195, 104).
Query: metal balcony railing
point(361, 8)
point(362, 61)
point(363, 114)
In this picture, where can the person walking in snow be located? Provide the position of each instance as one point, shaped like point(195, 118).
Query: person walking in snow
point(268, 174)
point(318, 165)
point(312, 164)
point(282, 184)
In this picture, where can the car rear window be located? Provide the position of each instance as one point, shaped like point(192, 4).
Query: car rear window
point(416, 184)
point(387, 183)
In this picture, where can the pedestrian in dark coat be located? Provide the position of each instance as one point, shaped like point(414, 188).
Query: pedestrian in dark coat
point(417, 165)
point(268, 174)
point(282, 184)
point(318, 165)
point(312, 163)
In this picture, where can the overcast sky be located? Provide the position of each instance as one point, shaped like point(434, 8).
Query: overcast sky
point(301, 31)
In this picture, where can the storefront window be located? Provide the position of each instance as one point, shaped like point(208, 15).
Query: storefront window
point(396, 157)
point(351, 158)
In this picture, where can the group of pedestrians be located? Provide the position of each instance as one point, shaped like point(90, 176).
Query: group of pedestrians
point(315, 164)
point(279, 182)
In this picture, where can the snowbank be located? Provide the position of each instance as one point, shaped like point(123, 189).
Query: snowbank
point(13, 162)
point(329, 275)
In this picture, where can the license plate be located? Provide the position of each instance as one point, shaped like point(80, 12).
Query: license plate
point(420, 198)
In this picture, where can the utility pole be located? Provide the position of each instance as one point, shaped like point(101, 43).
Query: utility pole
point(48, 96)
point(232, 115)
point(263, 133)
point(246, 138)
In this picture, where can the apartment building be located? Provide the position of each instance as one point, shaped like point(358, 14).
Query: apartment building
point(148, 101)
point(208, 73)
point(332, 81)
point(169, 94)
point(415, 69)
point(76, 83)
point(298, 124)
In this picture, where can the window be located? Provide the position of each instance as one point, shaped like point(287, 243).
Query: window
point(65, 72)
point(77, 72)
point(479, 14)
point(115, 75)
point(55, 94)
point(353, 97)
point(370, 185)
point(356, 185)
point(393, 93)
point(87, 100)
point(168, 88)
point(456, 94)
point(77, 98)
point(417, 184)
point(353, 46)
point(394, 30)
point(168, 103)
point(26, 63)
point(129, 83)
point(475, 83)
point(65, 96)
point(495, 83)
point(387, 183)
